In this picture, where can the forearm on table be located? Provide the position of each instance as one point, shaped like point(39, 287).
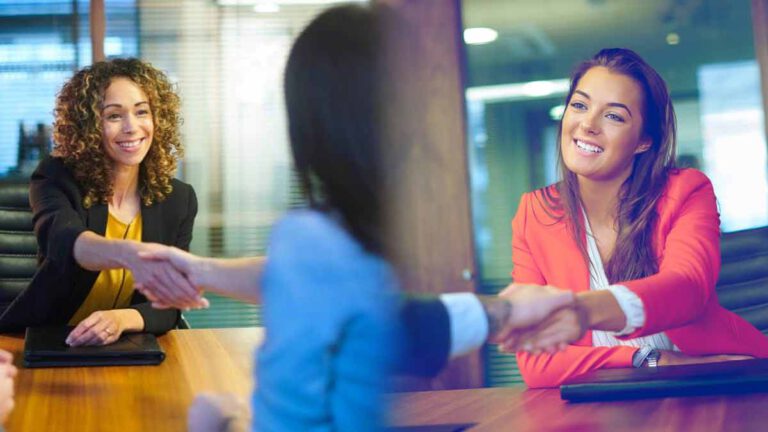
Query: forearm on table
point(234, 277)
point(94, 252)
point(131, 319)
point(551, 370)
point(157, 321)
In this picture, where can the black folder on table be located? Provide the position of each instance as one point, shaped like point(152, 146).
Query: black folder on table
point(744, 376)
point(46, 347)
point(448, 427)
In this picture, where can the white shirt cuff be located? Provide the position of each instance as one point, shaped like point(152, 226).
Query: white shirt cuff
point(631, 305)
point(469, 325)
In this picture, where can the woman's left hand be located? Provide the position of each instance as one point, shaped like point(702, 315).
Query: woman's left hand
point(218, 412)
point(100, 328)
point(7, 374)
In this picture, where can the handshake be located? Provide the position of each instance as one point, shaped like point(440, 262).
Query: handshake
point(534, 318)
point(170, 277)
point(531, 318)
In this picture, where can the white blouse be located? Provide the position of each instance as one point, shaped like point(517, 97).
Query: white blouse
point(629, 302)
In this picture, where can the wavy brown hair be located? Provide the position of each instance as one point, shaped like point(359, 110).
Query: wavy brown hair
point(633, 256)
point(77, 130)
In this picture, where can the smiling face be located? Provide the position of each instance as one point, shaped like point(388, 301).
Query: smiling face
point(126, 121)
point(602, 128)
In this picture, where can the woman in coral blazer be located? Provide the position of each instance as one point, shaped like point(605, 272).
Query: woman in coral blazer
point(635, 237)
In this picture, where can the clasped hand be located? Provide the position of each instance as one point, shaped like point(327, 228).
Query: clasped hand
point(542, 319)
point(174, 279)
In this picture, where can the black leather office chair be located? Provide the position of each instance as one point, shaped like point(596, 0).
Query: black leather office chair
point(18, 246)
point(743, 283)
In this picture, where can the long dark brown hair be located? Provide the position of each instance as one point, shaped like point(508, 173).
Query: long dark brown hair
point(331, 89)
point(633, 256)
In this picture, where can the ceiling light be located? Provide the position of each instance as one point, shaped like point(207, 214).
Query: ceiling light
point(479, 35)
point(556, 112)
point(539, 88)
point(519, 91)
point(283, 2)
point(266, 8)
point(673, 38)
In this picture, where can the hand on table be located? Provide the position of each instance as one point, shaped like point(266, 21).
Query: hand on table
point(100, 328)
point(543, 318)
point(222, 412)
point(7, 373)
point(670, 358)
point(169, 277)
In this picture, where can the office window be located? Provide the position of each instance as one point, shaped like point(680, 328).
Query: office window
point(518, 77)
point(227, 57)
point(42, 43)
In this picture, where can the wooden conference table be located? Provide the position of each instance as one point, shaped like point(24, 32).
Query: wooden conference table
point(134, 398)
point(147, 398)
point(518, 409)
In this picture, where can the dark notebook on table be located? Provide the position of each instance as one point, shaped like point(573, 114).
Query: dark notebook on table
point(745, 376)
point(45, 347)
point(448, 427)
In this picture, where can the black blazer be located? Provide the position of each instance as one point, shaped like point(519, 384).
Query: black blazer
point(60, 285)
point(427, 336)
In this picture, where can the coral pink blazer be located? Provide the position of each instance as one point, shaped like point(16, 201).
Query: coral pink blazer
point(679, 300)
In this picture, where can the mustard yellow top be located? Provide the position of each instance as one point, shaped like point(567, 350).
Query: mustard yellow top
point(114, 287)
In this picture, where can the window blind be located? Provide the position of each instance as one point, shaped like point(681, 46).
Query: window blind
point(227, 58)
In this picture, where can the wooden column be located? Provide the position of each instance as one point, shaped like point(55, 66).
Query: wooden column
point(426, 139)
point(98, 25)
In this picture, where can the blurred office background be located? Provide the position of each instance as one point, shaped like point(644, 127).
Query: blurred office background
point(227, 58)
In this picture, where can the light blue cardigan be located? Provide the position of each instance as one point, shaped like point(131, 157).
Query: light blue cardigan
point(330, 318)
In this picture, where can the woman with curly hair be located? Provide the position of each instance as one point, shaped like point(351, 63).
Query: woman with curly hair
point(107, 193)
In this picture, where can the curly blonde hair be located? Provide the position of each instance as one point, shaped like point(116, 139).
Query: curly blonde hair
point(77, 130)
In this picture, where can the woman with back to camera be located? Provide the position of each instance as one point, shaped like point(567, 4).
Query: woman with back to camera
point(635, 237)
point(107, 188)
point(329, 295)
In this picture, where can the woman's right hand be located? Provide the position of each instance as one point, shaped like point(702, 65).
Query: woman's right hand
point(176, 262)
point(542, 318)
point(670, 358)
point(163, 281)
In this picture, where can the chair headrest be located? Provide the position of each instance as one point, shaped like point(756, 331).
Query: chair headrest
point(738, 245)
point(14, 195)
